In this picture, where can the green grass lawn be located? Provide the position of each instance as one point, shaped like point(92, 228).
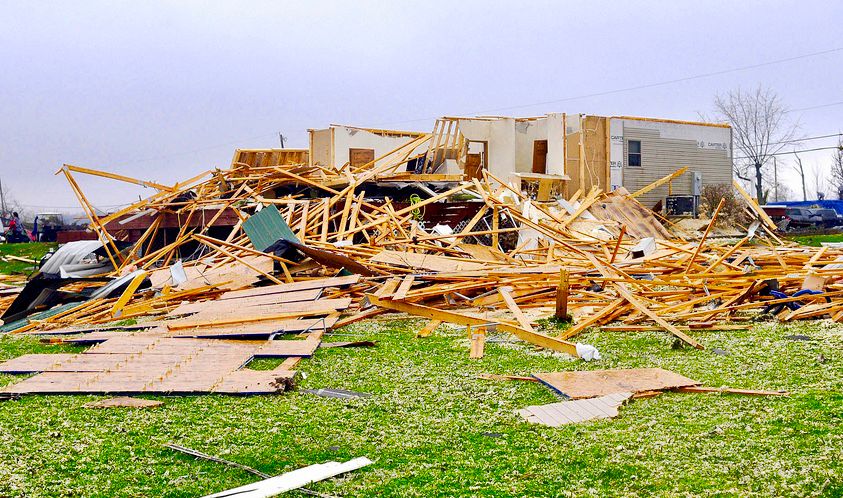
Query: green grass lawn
point(31, 250)
point(434, 429)
point(817, 240)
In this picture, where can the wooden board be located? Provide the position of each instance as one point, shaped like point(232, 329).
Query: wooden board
point(231, 313)
point(588, 384)
point(123, 402)
point(258, 300)
point(38, 362)
point(318, 283)
point(425, 261)
point(260, 330)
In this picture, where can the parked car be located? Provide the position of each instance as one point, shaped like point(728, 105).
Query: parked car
point(800, 218)
point(825, 218)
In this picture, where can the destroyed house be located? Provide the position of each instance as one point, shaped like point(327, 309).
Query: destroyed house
point(578, 151)
point(547, 156)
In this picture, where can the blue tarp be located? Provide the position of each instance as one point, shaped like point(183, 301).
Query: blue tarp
point(836, 205)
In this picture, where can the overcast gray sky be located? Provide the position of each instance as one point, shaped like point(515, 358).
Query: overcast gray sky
point(164, 90)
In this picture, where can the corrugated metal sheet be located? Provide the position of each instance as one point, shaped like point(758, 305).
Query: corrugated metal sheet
point(265, 227)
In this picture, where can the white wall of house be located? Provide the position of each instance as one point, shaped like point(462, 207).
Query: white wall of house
point(500, 135)
point(347, 137)
point(527, 132)
point(320, 147)
point(555, 143)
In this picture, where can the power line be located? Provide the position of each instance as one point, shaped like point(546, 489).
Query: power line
point(816, 106)
point(797, 151)
point(647, 85)
point(555, 101)
point(805, 139)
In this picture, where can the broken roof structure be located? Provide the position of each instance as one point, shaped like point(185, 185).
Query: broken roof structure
point(334, 234)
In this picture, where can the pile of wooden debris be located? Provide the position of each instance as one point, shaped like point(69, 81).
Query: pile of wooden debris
point(274, 246)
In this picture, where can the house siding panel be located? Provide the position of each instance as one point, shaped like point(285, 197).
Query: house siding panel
point(662, 156)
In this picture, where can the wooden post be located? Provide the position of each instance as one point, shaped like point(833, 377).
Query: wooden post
point(495, 235)
point(478, 342)
point(618, 245)
point(562, 296)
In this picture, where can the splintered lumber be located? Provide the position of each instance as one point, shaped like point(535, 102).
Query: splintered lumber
point(448, 316)
point(478, 343)
point(764, 217)
point(288, 231)
point(428, 328)
point(425, 261)
point(513, 307)
point(658, 183)
point(626, 294)
point(562, 293)
point(592, 320)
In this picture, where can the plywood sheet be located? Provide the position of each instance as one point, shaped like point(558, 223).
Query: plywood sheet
point(425, 261)
point(124, 402)
point(260, 330)
point(231, 312)
point(320, 283)
point(31, 363)
point(258, 300)
point(164, 365)
point(588, 384)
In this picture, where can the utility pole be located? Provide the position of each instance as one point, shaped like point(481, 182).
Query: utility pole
point(776, 179)
point(2, 199)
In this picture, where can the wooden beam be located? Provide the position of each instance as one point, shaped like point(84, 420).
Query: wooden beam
point(449, 316)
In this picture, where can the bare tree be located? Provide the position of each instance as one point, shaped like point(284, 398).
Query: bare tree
point(9, 205)
point(819, 180)
point(760, 129)
point(836, 176)
point(801, 170)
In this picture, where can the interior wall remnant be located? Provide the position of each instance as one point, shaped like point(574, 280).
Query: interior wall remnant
point(347, 137)
point(572, 151)
point(596, 153)
point(527, 132)
point(555, 133)
point(502, 147)
point(320, 147)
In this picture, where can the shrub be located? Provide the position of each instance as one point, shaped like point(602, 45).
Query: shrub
point(732, 213)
